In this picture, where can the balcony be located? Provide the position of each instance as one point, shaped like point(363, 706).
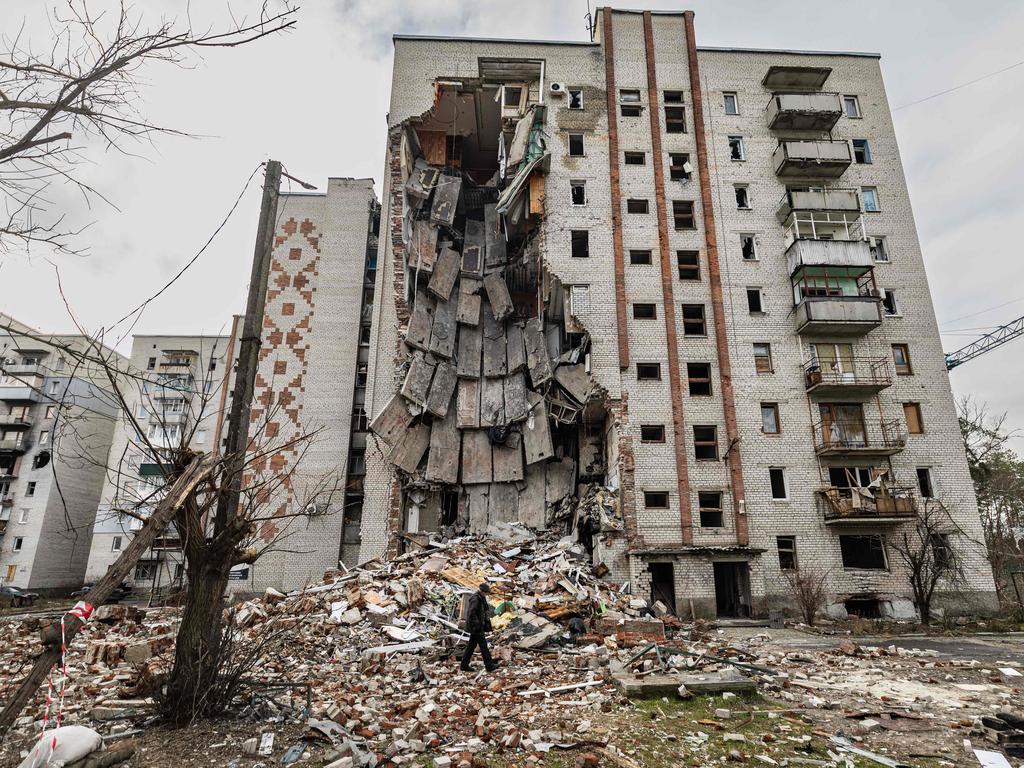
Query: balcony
point(804, 111)
point(779, 78)
point(21, 370)
point(168, 418)
point(847, 259)
point(847, 377)
point(839, 200)
point(858, 437)
point(812, 159)
point(21, 388)
point(833, 299)
point(6, 502)
point(16, 445)
point(14, 421)
point(886, 505)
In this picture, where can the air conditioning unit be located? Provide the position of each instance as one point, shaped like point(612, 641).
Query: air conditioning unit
point(557, 88)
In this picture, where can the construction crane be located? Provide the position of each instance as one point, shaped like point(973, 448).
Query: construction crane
point(989, 341)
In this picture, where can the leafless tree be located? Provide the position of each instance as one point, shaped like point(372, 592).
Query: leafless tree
point(83, 85)
point(808, 590)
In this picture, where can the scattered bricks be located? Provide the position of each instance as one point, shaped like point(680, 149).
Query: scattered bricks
point(442, 762)
point(139, 652)
point(587, 760)
point(114, 613)
point(723, 714)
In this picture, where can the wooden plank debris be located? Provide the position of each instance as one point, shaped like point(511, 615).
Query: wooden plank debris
point(493, 344)
point(409, 449)
point(492, 402)
point(507, 462)
point(442, 389)
point(434, 145)
point(575, 380)
point(468, 358)
point(476, 457)
point(392, 421)
point(537, 431)
point(515, 348)
point(469, 302)
point(446, 199)
point(517, 407)
point(443, 331)
point(446, 270)
point(537, 358)
point(498, 296)
point(445, 447)
point(468, 404)
point(417, 381)
point(418, 333)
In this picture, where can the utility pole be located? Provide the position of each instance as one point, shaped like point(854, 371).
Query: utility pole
point(249, 349)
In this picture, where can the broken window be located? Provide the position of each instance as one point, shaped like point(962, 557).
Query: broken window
point(576, 145)
point(698, 377)
point(731, 103)
point(645, 312)
point(748, 247)
point(777, 480)
point(870, 197)
point(682, 214)
point(770, 418)
point(901, 358)
point(578, 192)
point(637, 206)
point(359, 420)
point(151, 364)
point(787, 552)
point(705, 443)
point(364, 336)
point(145, 570)
point(656, 499)
point(763, 358)
point(742, 193)
point(648, 371)
point(912, 414)
point(924, 482)
point(580, 243)
point(754, 299)
point(673, 97)
point(689, 265)
point(639, 257)
point(512, 96)
point(709, 509)
point(635, 158)
point(864, 552)
point(736, 149)
point(941, 553)
point(861, 151)
point(652, 433)
point(889, 302)
point(693, 320)
point(879, 249)
point(575, 98)
point(629, 103)
point(851, 105)
point(449, 508)
point(679, 166)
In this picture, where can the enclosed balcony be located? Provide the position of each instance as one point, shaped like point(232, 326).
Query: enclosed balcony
point(846, 433)
point(812, 159)
point(833, 300)
point(21, 388)
point(21, 370)
point(168, 418)
point(15, 445)
point(846, 376)
point(885, 505)
point(815, 200)
point(10, 421)
point(804, 111)
point(779, 78)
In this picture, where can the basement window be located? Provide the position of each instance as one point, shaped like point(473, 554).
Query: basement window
point(705, 443)
point(634, 205)
point(635, 158)
point(742, 192)
point(575, 98)
point(645, 312)
point(748, 247)
point(863, 552)
point(689, 265)
point(682, 214)
point(648, 371)
point(576, 145)
point(861, 152)
point(580, 243)
point(777, 480)
point(709, 509)
point(639, 257)
point(698, 377)
point(578, 192)
point(656, 499)
point(787, 552)
point(693, 320)
point(679, 168)
point(736, 149)
point(754, 303)
point(629, 103)
point(652, 433)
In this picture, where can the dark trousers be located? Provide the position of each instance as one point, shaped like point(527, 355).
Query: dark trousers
point(475, 639)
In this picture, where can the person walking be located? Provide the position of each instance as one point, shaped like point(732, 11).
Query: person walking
point(478, 624)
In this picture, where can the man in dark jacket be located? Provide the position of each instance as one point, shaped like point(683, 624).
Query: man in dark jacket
point(478, 624)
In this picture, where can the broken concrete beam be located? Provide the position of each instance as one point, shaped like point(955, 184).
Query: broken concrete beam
point(560, 481)
point(417, 381)
point(476, 506)
point(496, 247)
point(446, 270)
point(442, 389)
point(409, 450)
point(443, 330)
point(421, 182)
point(468, 357)
point(517, 407)
point(537, 358)
point(469, 302)
point(418, 333)
point(537, 431)
point(495, 361)
point(445, 447)
point(531, 497)
point(423, 248)
point(446, 199)
point(507, 461)
point(476, 457)
point(575, 380)
point(498, 296)
point(515, 348)
point(467, 404)
point(503, 503)
point(492, 402)
point(392, 421)
point(610, 625)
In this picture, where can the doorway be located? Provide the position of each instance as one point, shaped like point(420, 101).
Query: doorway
point(663, 585)
point(732, 589)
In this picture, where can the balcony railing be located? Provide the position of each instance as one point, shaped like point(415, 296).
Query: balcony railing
point(887, 505)
point(24, 369)
point(812, 159)
point(804, 111)
point(14, 421)
point(858, 437)
point(847, 377)
point(14, 444)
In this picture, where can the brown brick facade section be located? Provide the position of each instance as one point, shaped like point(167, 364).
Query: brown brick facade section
point(732, 455)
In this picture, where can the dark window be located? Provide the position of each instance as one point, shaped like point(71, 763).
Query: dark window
point(213, 365)
point(578, 192)
point(901, 357)
point(754, 299)
point(576, 144)
point(682, 214)
point(689, 265)
point(639, 257)
point(736, 149)
point(635, 158)
point(145, 571)
point(364, 335)
point(889, 303)
point(861, 151)
point(636, 206)
point(580, 243)
point(648, 371)
point(513, 95)
point(866, 552)
point(629, 103)
point(575, 98)
point(777, 479)
point(645, 312)
point(359, 422)
point(941, 553)
point(763, 358)
point(679, 166)
point(698, 376)
point(693, 320)
point(675, 119)
point(924, 482)
point(787, 552)
point(748, 246)
point(770, 418)
point(30, 489)
point(879, 248)
point(656, 499)
point(652, 433)
point(742, 196)
point(673, 97)
point(709, 508)
point(705, 443)
point(912, 413)
point(151, 364)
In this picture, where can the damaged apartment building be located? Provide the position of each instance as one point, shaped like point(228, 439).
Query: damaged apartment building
point(665, 298)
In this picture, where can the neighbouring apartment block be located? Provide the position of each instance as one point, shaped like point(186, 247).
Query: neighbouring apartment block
point(57, 416)
point(177, 391)
point(669, 297)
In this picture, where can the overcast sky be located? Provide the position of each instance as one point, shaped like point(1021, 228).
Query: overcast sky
point(316, 99)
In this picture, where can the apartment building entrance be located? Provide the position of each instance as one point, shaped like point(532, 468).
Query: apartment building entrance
point(732, 589)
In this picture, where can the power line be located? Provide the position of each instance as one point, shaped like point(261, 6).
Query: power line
point(958, 87)
point(982, 311)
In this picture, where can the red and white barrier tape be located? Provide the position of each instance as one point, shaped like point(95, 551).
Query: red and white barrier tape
point(82, 611)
